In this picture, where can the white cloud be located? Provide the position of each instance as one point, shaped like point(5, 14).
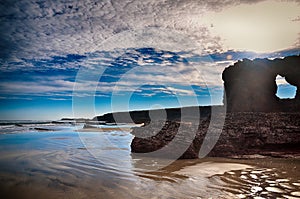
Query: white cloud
point(15, 98)
point(57, 99)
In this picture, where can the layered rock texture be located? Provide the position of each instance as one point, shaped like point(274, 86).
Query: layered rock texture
point(243, 135)
point(158, 135)
point(251, 86)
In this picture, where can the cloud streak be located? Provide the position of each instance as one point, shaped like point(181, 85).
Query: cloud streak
point(31, 29)
point(162, 72)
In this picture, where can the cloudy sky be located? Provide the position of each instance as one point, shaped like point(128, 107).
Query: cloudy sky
point(91, 57)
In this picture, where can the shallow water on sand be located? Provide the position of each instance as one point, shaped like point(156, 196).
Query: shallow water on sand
point(70, 164)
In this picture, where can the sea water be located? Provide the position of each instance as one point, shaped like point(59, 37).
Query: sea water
point(45, 160)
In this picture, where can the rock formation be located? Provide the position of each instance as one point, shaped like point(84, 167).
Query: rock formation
point(172, 114)
point(257, 121)
point(243, 135)
point(164, 133)
point(251, 86)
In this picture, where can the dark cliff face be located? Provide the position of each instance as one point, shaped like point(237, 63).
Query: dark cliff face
point(173, 114)
point(243, 135)
point(251, 85)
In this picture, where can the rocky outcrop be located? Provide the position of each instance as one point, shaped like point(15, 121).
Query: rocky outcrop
point(274, 134)
point(251, 86)
point(257, 121)
point(160, 134)
point(244, 134)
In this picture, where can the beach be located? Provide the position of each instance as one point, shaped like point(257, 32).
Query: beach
point(70, 163)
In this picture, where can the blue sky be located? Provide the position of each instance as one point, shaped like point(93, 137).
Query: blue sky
point(43, 88)
point(134, 55)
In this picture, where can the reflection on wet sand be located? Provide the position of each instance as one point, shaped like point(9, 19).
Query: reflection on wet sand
point(57, 164)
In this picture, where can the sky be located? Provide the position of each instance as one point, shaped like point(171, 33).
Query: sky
point(64, 58)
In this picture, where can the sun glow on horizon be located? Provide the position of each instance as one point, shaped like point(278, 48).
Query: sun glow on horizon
point(262, 27)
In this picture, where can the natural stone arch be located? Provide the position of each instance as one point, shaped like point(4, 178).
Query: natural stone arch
point(251, 85)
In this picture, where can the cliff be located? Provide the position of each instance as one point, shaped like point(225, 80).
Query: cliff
point(144, 116)
point(243, 134)
point(257, 121)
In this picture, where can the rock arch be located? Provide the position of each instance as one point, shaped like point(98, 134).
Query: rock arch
point(250, 86)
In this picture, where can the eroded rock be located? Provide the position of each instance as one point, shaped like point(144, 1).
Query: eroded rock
point(243, 135)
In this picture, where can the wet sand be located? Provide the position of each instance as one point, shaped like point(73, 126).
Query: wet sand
point(69, 164)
